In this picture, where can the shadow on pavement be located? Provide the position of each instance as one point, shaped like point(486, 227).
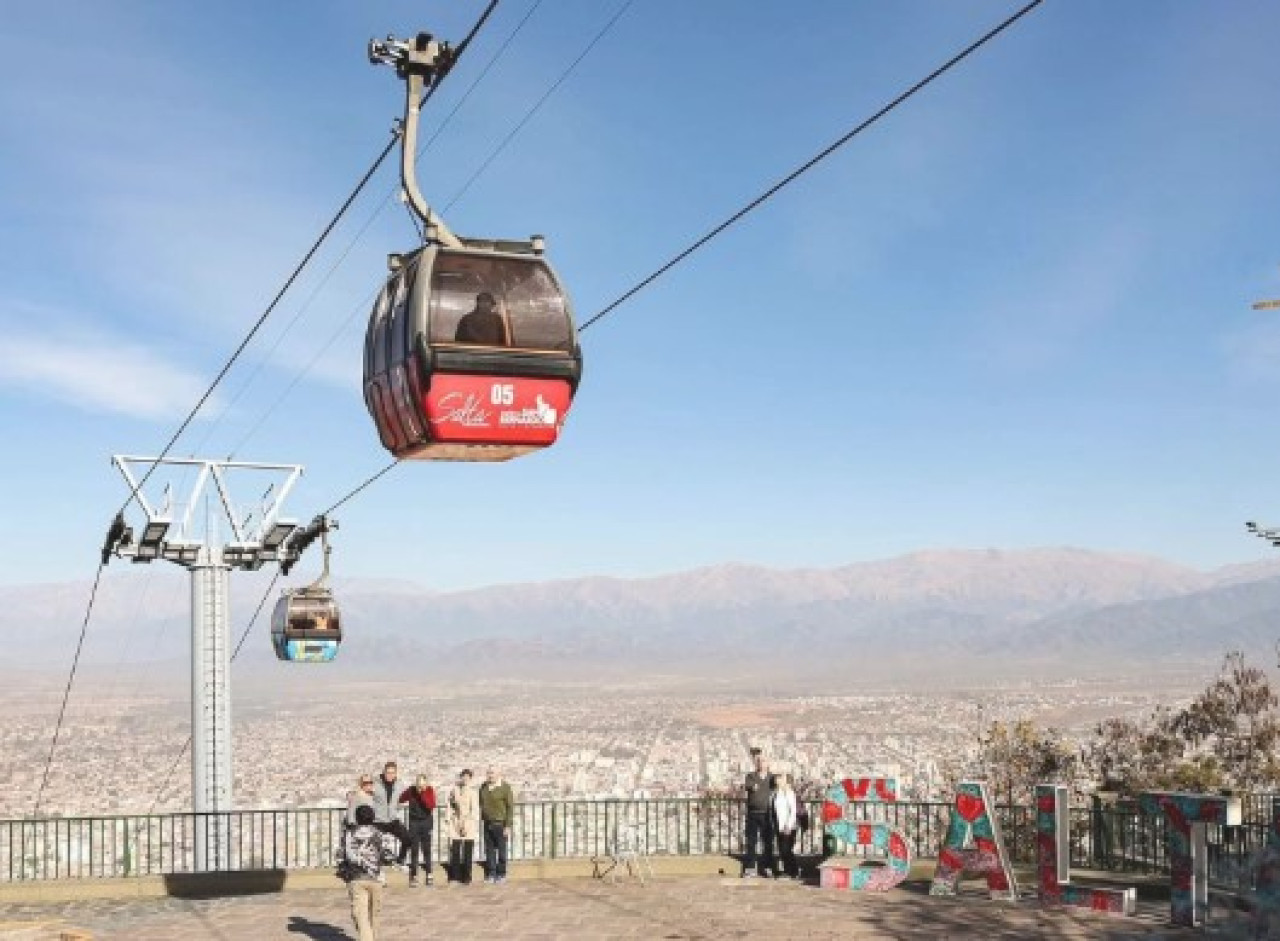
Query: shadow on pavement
point(316, 930)
point(213, 885)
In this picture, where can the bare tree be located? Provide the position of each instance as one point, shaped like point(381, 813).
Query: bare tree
point(1225, 738)
point(1014, 757)
point(1234, 722)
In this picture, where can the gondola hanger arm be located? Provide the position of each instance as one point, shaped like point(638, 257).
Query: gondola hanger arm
point(421, 63)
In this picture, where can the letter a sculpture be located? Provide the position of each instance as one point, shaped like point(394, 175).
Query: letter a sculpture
point(973, 845)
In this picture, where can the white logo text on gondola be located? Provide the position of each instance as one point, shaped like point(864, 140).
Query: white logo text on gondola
point(462, 410)
point(465, 409)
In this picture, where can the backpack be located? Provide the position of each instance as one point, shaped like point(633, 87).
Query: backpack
point(344, 870)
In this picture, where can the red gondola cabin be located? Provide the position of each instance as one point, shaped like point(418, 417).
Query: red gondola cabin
point(471, 353)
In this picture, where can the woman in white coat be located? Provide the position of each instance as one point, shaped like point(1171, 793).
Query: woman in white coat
point(786, 822)
point(463, 817)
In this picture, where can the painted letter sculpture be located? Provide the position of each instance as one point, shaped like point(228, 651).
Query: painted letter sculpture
point(1266, 875)
point(1053, 860)
point(842, 799)
point(1187, 816)
point(973, 845)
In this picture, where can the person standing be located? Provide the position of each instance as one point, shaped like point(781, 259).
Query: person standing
point(786, 821)
point(360, 866)
point(497, 810)
point(758, 788)
point(464, 809)
point(363, 794)
point(421, 799)
point(387, 792)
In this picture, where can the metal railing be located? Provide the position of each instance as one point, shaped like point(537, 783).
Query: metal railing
point(121, 846)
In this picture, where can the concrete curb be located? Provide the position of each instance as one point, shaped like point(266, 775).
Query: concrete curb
point(266, 882)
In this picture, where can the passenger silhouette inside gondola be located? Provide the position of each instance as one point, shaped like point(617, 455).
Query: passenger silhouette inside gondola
point(484, 325)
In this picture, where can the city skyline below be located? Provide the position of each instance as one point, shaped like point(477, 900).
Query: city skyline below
point(647, 739)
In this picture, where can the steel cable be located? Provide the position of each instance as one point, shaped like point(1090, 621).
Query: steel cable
point(763, 197)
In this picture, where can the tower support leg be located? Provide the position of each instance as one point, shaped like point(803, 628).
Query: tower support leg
point(211, 776)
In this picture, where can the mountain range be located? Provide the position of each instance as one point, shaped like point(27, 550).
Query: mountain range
point(927, 614)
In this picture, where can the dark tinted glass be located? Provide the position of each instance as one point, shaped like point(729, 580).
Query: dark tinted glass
point(485, 300)
point(399, 307)
point(375, 339)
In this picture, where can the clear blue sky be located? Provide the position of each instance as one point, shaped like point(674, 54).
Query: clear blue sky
point(1015, 313)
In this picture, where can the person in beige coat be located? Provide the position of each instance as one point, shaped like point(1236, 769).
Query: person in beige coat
point(464, 822)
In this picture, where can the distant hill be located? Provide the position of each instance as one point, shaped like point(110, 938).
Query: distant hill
point(933, 611)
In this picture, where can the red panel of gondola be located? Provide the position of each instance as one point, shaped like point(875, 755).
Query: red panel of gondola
point(496, 409)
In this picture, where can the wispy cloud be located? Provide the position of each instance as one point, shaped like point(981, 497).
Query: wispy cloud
point(186, 220)
point(1252, 354)
point(1045, 313)
point(98, 373)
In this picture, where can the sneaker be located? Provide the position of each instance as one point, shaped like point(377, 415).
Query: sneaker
point(500, 879)
point(430, 879)
point(748, 873)
point(413, 882)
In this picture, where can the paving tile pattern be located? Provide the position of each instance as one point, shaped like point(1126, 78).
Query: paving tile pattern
point(669, 909)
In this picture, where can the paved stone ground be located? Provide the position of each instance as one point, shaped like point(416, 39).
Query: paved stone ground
point(672, 909)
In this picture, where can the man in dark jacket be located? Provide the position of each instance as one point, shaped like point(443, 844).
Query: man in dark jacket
point(484, 325)
point(421, 799)
point(758, 789)
point(497, 809)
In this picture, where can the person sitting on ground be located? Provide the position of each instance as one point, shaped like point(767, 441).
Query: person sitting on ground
point(360, 866)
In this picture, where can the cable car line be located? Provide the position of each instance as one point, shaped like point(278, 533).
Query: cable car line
point(350, 246)
point(165, 783)
point(813, 162)
point(464, 320)
point(368, 482)
point(567, 72)
point(66, 693)
point(511, 135)
point(262, 319)
point(362, 307)
point(256, 611)
point(454, 56)
point(243, 636)
point(608, 309)
point(119, 516)
point(502, 50)
point(761, 199)
point(118, 522)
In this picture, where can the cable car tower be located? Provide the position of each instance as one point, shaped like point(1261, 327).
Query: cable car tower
point(189, 533)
